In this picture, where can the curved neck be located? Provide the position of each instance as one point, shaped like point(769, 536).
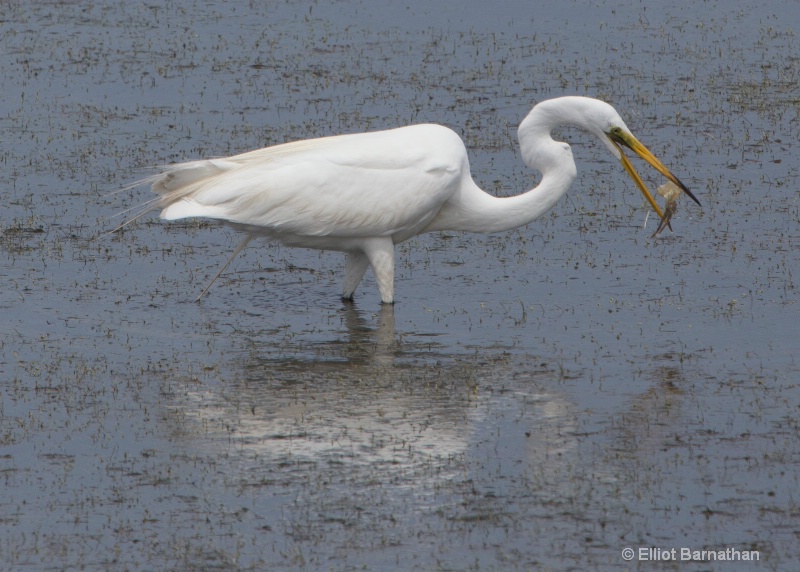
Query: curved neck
point(478, 211)
point(472, 209)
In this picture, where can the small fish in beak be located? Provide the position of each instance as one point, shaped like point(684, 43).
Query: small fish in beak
point(670, 191)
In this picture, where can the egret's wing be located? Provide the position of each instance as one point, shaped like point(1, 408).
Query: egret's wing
point(372, 184)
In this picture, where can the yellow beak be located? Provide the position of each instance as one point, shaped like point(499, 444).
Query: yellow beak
point(621, 138)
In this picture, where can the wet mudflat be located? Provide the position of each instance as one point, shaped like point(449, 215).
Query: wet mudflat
point(538, 399)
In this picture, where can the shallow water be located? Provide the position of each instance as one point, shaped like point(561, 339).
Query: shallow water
point(538, 399)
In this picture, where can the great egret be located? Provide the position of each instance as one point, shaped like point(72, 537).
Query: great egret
point(363, 193)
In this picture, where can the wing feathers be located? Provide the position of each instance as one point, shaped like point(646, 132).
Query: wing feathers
point(373, 184)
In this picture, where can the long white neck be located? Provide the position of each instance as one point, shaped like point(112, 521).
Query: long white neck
point(472, 209)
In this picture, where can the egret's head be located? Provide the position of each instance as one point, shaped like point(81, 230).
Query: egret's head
point(599, 118)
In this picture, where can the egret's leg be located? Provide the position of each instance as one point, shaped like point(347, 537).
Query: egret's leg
point(239, 248)
point(354, 269)
point(380, 252)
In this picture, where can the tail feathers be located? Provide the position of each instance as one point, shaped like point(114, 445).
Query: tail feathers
point(140, 210)
point(184, 175)
point(188, 208)
point(172, 185)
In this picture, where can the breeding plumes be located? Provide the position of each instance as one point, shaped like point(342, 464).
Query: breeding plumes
point(363, 193)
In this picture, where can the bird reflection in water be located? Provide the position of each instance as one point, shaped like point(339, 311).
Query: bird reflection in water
point(372, 398)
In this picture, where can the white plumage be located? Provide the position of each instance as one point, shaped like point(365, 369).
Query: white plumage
point(364, 193)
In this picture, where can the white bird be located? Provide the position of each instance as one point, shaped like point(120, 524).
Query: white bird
point(363, 193)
